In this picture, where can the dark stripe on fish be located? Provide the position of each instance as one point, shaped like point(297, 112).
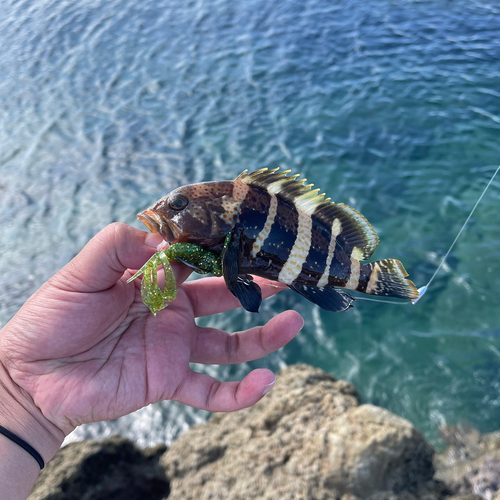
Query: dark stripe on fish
point(315, 264)
point(364, 277)
point(254, 212)
point(340, 270)
point(280, 241)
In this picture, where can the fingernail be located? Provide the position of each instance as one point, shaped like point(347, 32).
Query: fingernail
point(164, 245)
point(301, 326)
point(153, 240)
point(268, 387)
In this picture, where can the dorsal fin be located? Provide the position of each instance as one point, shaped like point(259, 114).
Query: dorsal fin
point(356, 235)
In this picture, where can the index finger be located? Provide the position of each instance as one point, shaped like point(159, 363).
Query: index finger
point(210, 295)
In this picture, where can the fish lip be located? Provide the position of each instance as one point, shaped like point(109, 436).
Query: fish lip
point(156, 223)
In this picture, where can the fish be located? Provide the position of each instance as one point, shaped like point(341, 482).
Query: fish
point(272, 225)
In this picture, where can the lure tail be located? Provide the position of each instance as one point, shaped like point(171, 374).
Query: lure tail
point(387, 278)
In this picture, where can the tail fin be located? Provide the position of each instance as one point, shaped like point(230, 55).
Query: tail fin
point(387, 278)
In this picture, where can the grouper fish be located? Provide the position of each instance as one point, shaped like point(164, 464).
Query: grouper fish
point(270, 224)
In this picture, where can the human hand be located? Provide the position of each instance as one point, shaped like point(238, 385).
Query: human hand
point(85, 348)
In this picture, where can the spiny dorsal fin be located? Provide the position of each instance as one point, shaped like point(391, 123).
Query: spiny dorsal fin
point(357, 236)
point(288, 188)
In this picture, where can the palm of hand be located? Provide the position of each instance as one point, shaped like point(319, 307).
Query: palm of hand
point(104, 365)
point(87, 351)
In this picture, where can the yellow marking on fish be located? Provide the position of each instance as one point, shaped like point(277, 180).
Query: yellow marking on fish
point(300, 250)
point(264, 233)
point(336, 230)
point(275, 187)
point(309, 201)
point(373, 281)
point(353, 282)
point(357, 253)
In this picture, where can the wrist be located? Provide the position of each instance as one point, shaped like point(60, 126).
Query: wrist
point(21, 416)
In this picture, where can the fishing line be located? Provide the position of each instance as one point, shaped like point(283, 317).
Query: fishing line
point(386, 301)
point(424, 288)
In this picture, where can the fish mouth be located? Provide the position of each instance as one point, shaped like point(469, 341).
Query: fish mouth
point(156, 223)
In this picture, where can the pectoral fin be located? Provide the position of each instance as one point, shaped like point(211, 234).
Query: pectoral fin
point(328, 297)
point(230, 257)
point(241, 286)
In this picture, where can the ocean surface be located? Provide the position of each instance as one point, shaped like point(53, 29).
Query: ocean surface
point(392, 107)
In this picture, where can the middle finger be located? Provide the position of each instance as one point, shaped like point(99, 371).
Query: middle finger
point(212, 346)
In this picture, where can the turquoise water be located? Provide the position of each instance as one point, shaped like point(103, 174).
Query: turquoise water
point(391, 107)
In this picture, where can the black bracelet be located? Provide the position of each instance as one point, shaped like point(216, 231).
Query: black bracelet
point(23, 444)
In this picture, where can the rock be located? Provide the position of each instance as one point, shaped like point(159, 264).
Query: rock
point(465, 497)
point(108, 469)
point(480, 476)
point(308, 439)
point(372, 449)
point(463, 443)
point(471, 463)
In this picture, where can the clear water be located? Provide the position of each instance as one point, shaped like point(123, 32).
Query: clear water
point(392, 107)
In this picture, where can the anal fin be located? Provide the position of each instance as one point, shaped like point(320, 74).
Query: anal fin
point(328, 297)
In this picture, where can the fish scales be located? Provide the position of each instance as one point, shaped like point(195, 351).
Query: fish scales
point(277, 244)
point(271, 225)
point(274, 242)
point(277, 249)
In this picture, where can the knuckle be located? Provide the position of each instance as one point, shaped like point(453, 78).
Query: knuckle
point(112, 234)
point(212, 394)
point(262, 341)
point(176, 395)
point(232, 347)
point(194, 299)
point(118, 229)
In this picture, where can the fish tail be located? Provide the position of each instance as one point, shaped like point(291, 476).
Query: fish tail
point(387, 278)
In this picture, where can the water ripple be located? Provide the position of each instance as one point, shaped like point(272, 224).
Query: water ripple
point(392, 107)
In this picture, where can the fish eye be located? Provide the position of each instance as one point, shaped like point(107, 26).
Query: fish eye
point(179, 202)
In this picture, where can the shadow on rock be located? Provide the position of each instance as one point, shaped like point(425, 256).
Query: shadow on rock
point(108, 469)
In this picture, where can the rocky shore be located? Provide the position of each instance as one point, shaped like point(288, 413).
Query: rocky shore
point(309, 439)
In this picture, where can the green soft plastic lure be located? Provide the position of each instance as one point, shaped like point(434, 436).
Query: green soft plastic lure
point(198, 258)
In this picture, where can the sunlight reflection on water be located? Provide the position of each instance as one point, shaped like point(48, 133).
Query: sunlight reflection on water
point(391, 107)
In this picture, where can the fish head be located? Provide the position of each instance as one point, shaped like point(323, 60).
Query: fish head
point(202, 213)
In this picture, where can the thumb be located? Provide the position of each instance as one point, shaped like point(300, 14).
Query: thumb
point(106, 257)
